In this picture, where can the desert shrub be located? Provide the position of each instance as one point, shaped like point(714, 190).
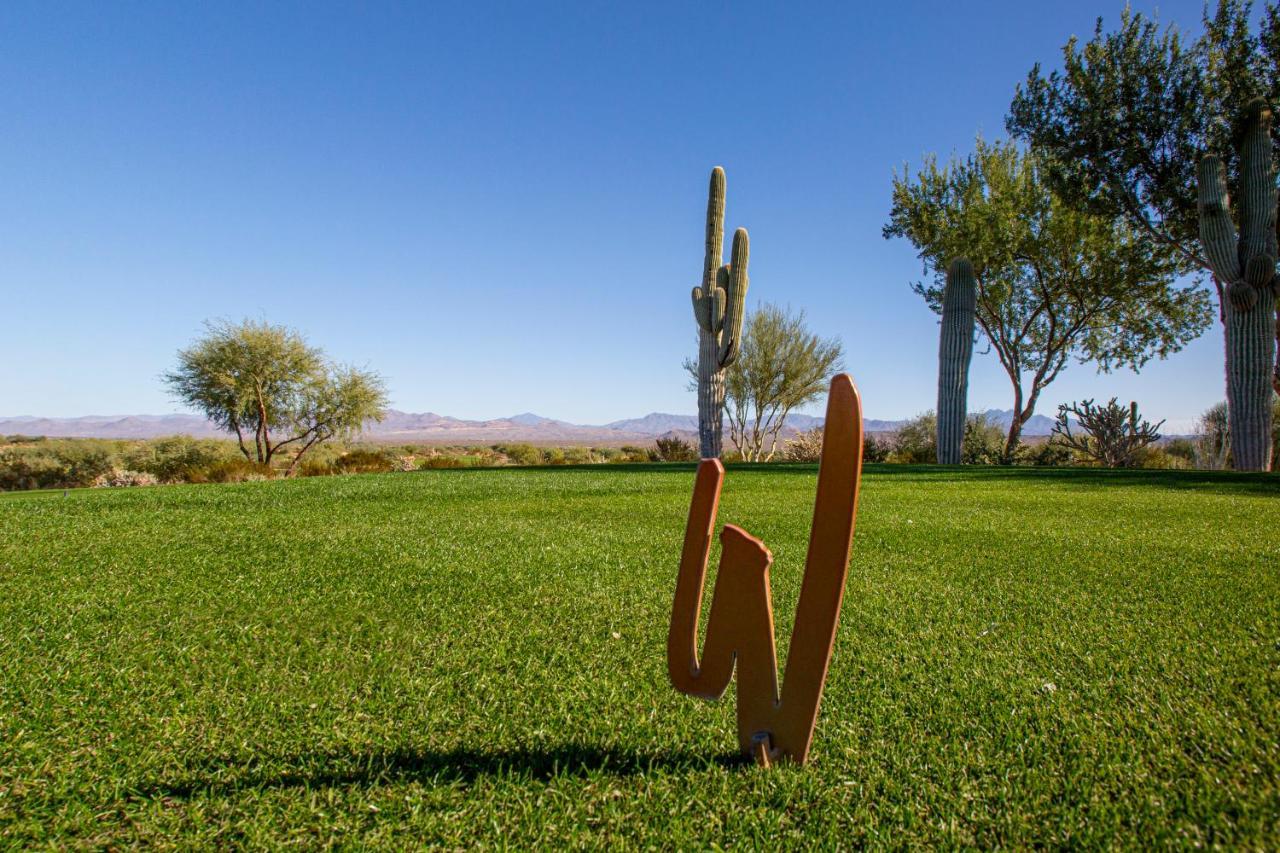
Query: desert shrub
point(580, 456)
point(22, 439)
point(631, 453)
point(440, 461)
point(608, 454)
point(1160, 457)
point(121, 478)
point(82, 463)
point(675, 449)
point(520, 454)
point(315, 468)
point(366, 462)
point(169, 459)
point(806, 447)
point(875, 448)
point(22, 468)
point(1181, 448)
point(231, 471)
point(1050, 453)
point(983, 442)
point(1213, 444)
point(553, 456)
point(916, 441)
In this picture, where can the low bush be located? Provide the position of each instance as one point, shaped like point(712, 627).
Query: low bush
point(366, 462)
point(631, 453)
point(806, 447)
point(675, 449)
point(170, 459)
point(441, 461)
point(231, 471)
point(520, 454)
point(118, 479)
point(875, 448)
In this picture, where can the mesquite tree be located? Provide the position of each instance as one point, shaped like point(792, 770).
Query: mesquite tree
point(1052, 283)
point(955, 349)
point(1112, 435)
point(267, 382)
point(1246, 266)
point(718, 306)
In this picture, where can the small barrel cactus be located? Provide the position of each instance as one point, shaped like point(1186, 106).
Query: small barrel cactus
point(955, 350)
point(718, 307)
point(1245, 267)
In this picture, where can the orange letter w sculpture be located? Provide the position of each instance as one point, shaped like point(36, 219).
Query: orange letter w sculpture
point(740, 628)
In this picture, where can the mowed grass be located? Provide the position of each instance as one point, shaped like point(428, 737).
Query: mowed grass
point(462, 657)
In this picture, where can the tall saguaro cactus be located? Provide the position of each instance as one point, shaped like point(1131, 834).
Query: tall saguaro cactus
point(955, 350)
point(718, 306)
point(1246, 266)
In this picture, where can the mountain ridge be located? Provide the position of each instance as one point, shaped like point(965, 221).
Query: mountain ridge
point(430, 427)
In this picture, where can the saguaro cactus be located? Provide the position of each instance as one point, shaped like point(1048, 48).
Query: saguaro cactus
point(718, 306)
point(955, 349)
point(1245, 265)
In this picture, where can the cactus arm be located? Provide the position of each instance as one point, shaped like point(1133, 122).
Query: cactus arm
point(1217, 232)
point(1258, 195)
point(717, 309)
point(715, 228)
point(736, 285)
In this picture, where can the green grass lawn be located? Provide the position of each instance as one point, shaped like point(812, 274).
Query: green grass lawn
point(459, 657)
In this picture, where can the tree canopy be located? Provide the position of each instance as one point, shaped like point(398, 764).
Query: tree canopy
point(1122, 126)
point(1053, 282)
point(273, 390)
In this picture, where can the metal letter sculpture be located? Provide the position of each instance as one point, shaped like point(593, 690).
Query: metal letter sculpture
point(740, 628)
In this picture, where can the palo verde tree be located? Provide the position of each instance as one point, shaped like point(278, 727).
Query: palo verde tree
point(1052, 282)
point(1122, 128)
point(781, 366)
point(1111, 435)
point(273, 390)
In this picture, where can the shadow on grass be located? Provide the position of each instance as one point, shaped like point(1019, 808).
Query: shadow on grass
point(1228, 482)
point(342, 769)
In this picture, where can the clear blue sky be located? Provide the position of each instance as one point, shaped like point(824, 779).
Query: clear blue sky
point(498, 207)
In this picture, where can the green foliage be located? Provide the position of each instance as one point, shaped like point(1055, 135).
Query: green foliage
point(675, 449)
point(1053, 283)
point(780, 367)
point(983, 442)
point(915, 442)
point(170, 459)
point(273, 390)
point(520, 453)
point(1050, 453)
point(363, 461)
point(474, 659)
point(875, 448)
point(631, 453)
point(1123, 125)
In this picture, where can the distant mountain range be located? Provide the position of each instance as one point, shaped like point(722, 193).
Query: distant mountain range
point(430, 428)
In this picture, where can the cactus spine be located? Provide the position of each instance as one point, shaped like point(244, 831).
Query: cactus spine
point(718, 306)
point(955, 349)
point(1246, 267)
